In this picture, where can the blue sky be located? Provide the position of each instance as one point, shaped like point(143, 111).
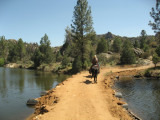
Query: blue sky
point(31, 19)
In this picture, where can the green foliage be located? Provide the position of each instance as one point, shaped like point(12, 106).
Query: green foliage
point(155, 14)
point(127, 56)
point(158, 50)
point(145, 55)
point(66, 49)
point(59, 57)
point(1, 62)
point(155, 59)
point(21, 50)
point(77, 65)
point(117, 44)
point(37, 58)
point(81, 28)
point(13, 53)
point(136, 44)
point(143, 39)
point(85, 65)
point(102, 46)
point(65, 61)
point(148, 73)
point(112, 60)
point(3, 48)
point(45, 49)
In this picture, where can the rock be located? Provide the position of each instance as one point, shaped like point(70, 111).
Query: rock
point(138, 51)
point(43, 93)
point(138, 76)
point(118, 94)
point(120, 103)
point(125, 106)
point(32, 102)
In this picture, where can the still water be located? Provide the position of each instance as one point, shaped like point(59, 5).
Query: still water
point(142, 96)
point(19, 85)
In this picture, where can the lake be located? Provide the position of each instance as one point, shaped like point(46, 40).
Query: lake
point(19, 85)
point(142, 96)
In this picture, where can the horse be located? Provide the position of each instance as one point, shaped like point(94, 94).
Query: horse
point(95, 71)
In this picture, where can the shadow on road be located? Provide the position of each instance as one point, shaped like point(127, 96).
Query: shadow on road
point(89, 76)
point(87, 82)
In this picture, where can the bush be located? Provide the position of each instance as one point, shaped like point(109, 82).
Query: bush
point(1, 61)
point(147, 73)
point(155, 59)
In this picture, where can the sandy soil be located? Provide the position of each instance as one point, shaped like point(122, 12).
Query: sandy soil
point(78, 98)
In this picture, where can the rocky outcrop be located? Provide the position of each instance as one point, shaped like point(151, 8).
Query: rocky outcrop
point(138, 51)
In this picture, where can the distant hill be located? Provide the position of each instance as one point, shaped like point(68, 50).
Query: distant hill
point(111, 36)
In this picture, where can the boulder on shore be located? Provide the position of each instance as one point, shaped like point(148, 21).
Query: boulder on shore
point(118, 94)
point(32, 102)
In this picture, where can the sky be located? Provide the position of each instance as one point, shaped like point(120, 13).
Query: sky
point(31, 19)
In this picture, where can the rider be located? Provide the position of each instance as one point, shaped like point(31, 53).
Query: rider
point(95, 62)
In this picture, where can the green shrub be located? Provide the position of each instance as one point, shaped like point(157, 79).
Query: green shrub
point(147, 73)
point(1, 61)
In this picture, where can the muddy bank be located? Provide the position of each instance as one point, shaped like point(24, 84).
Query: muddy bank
point(62, 102)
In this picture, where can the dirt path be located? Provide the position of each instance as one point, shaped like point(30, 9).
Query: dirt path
point(80, 99)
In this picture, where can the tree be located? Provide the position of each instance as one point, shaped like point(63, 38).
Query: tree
point(143, 39)
point(45, 49)
point(68, 43)
point(37, 58)
point(155, 59)
point(155, 14)
point(117, 44)
point(81, 27)
point(21, 49)
point(102, 46)
point(3, 48)
point(77, 65)
point(127, 55)
point(13, 53)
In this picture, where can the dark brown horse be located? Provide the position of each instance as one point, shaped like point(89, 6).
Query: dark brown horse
point(95, 71)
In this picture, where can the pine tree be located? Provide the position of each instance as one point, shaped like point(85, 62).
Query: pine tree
point(45, 49)
point(81, 27)
point(143, 39)
point(155, 14)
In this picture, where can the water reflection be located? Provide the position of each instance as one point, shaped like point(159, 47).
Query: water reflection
point(143, 97)
point(19, 85)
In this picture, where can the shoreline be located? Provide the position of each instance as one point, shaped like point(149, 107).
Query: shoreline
point(108, 81)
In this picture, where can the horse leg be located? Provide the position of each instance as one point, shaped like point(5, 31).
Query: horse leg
point(96, 79)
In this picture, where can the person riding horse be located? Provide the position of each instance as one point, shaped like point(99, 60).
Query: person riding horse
point(95, 64)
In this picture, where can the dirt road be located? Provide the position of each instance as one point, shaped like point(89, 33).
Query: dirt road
point(80, 99)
